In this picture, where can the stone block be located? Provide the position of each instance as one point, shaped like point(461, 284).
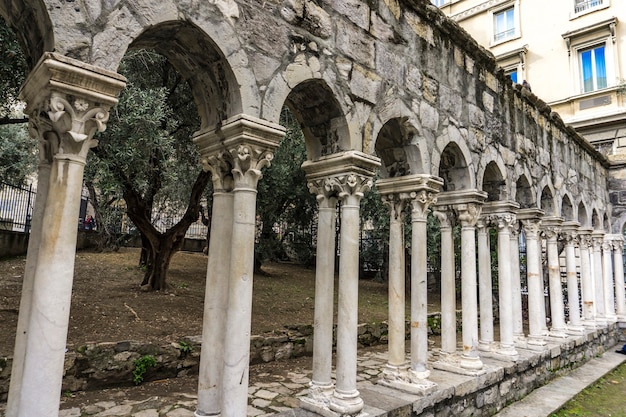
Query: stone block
point(357, 11)
point(352, 41)
point(429, 116)
point(365, 84)
point(317, 20)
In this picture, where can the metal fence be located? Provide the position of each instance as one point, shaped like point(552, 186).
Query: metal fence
point(16, 207)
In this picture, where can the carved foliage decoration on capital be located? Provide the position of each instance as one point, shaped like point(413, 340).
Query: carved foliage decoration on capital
point(445, 217)
point(585, 241)
point(469, 214)
point(396, 203)
point(596, 242)
point(571, 237)
point(532, 229)
point(618, 244)
point(505, 221)
point(65, 124)
point(551, 232)
point(221, 166)
point(351, 187)
point(248, 160)
point(420, 203)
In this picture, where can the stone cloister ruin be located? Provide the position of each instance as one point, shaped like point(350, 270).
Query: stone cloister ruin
point(387, 85)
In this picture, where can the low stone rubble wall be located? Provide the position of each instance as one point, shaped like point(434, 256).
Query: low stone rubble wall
point(98, 365)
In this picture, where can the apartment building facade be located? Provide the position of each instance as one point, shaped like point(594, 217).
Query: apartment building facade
point(572, 53)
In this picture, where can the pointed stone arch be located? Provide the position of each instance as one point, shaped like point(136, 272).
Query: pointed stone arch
point(546, 201)
point(583, 215)
point(492, 180)
point(396, 146)
point(321, 117)
point(524, 193)
point(453, 162)
point(595, 220)
point(567, 209)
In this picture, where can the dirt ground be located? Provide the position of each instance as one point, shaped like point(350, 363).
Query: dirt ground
point(107, 304)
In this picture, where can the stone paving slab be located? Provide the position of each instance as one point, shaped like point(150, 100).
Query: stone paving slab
point(545, 400)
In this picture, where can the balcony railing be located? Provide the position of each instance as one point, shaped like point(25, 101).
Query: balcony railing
point(584, 5)
point(504, 35)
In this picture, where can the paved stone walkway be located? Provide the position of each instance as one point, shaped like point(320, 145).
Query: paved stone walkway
point(278, 395)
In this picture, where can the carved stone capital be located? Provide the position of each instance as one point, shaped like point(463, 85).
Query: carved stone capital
point(445, 217)
point(325, 194)
point(351, 187)
point(468, 214)
point(532, 228)
point(420, 203)
point(570, 237)
point(503, 220)
point(248, 160)
point(68, 101)
point(396, 203)
point(220, 165)
point(551, 232)
point(585, 241)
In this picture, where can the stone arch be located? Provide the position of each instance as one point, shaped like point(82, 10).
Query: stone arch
point(595, 220)
point(200, 61)
point(546, 201)
point(454, 168)
point(397, 148)
point(492, 179)
point(31, 23)
point(320, 116)
point(524, 194)
point(583, 215)
point(606, 224)
point(567, 209)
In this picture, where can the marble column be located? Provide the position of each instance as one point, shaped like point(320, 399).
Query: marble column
point(586, 279)
point(597, 238)
point(468, 215)
point(570, 235)
point(551, 230)
point(607, 278)
point(346, 398)
point(419, 191)
point(618, 270)
point(516, 286)
point(250, 143)
point(67, 103)
point(486, 342)
point(505, 221)
point(346, 175)
point(396, 369)
point(419, 372)
point(321, 386)
point(531, 223)
point(448, 284)
point(216, 291)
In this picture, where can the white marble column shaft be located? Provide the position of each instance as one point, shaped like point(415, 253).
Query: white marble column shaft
point(586, 280)
point(557, 307)
point(516, 286)
point(34, 239)
point(448, 285)
point(573, 297)
point(596, 256)
point(211, 366)
point(321, 381)
point(468, 215)
point(486, 342)
point(618, 270)
point(536, 320)
point(504, 224)
point(607, 279)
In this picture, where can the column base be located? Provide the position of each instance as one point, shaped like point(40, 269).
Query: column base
point(502, 353)
point(452, 362)
point(611, 318)
point(575, 330)
point(347, 403)
point(558, 333)
point(536, 343)
point(519, 338)
point(407, 380)
point(199, 413)
point(486, 346)
point(589, 324)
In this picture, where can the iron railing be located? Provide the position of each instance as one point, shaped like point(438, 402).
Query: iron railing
point(16, 207)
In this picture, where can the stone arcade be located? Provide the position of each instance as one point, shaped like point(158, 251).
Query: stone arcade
point(384, 83)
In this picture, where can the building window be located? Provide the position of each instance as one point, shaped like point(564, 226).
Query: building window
point(438, 3)
point(593, 68)
point(513, 75)
point(504, 24)
point(584, 5)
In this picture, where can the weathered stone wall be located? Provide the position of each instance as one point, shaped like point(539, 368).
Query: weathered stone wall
point(347, 69)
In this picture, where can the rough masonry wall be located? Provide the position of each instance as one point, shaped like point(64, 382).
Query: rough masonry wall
point(346, 68)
